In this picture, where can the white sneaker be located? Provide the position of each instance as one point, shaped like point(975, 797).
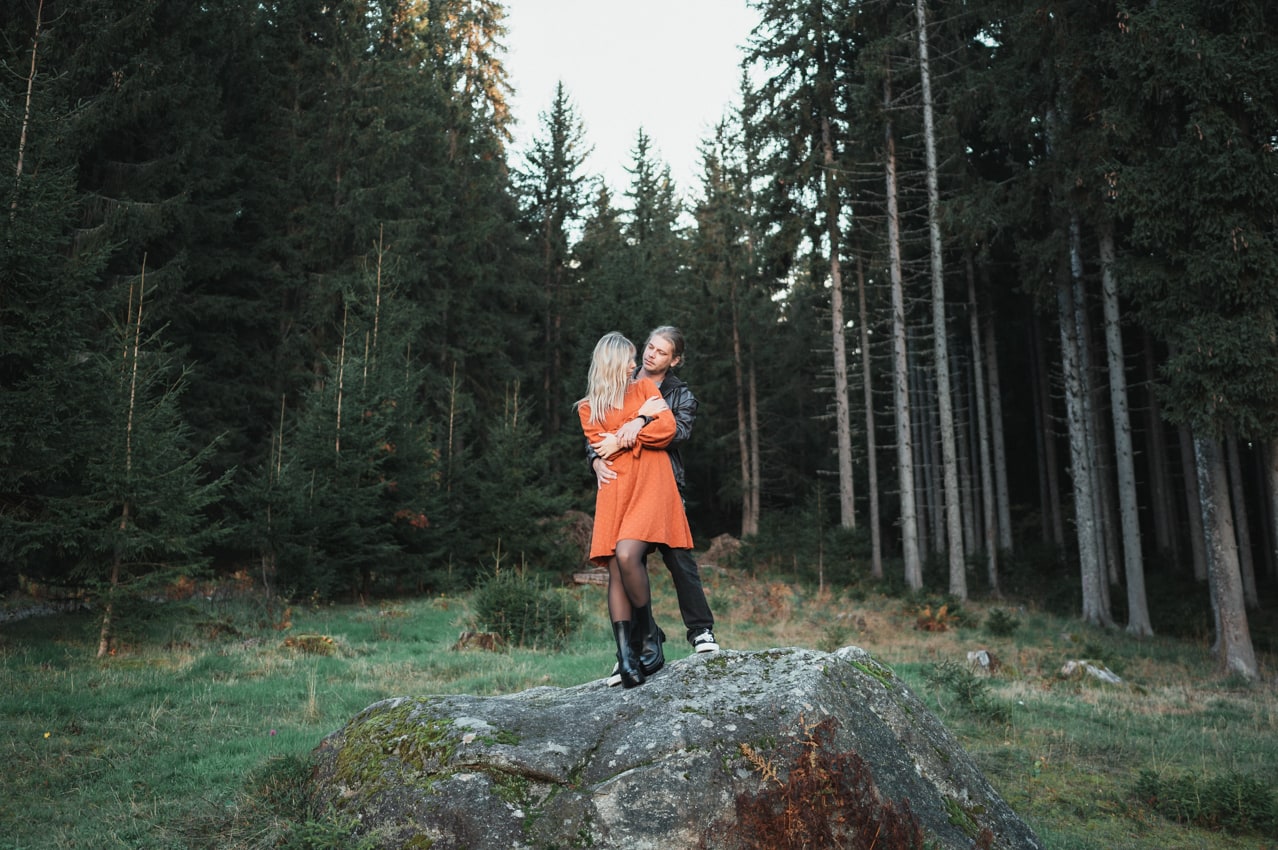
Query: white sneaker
point(615, 678)
point(705, 642)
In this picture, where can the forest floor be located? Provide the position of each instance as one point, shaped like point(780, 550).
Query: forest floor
point(196, 732)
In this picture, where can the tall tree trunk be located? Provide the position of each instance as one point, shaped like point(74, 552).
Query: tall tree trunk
point(1193, 500)
point(1235, 654)
point(1246, 563)
point(931, 517)
point(1133, 562)
point(867, 390)
point(1049, 479)
point(900, 364)
point(965, 443)
point(1265, 546)
point(1271, 478)
point(1163, 506)
point(842, 413)
point(105, 633)
point(995, 405)
point(1090, 568)
point(983, 439)
point(755, 474)
point(749, 521)
point(949, 459)
point(1096, 440)
point(26, 112)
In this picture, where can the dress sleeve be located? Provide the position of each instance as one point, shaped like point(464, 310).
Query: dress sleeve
point(658, 433)
point(592, 430)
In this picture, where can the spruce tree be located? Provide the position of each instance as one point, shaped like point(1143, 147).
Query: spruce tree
point(138, 511)
point(1194, 180)
point(553, 195)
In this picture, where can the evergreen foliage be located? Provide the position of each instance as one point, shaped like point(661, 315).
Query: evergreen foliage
point(525, 610)
point(356, 301)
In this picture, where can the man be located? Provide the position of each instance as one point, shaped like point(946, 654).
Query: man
point(664, 351)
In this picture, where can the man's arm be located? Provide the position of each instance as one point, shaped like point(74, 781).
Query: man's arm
point(683, 404)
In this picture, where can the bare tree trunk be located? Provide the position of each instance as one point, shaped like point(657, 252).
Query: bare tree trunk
point(1193, 499)
point(755, 475)
point(1265, 564)
point(1162, 505)
point(931, 517)
point(1271, 477)
point(131, 354)
point(900, 365)
point(949, 459)
point(26, 111)
point(842, 413)
point(1235, 653)
point(1133, 562)
point(983, 439)
point(105, 635)
point(1096, 440)
point(1246, 564)
point(995, 410)
point(867, 389)
point(1049, 480)
point(749, 521)
point(1093, 579)
point(965, 443)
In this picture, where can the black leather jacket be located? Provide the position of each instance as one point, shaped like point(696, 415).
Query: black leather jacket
point(683, 404)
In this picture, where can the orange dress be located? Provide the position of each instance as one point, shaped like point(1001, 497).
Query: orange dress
point(642, 502)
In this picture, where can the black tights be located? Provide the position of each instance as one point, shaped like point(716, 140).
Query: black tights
point(627, 580)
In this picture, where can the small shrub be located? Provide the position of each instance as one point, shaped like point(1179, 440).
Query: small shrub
point(312, 644)
point(1234, 802)
point(835, 637)
point(971, 692)
point(524, 610)
point(1001, 624)
point(939, 619)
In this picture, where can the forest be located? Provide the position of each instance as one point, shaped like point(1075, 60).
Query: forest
point(978, 296)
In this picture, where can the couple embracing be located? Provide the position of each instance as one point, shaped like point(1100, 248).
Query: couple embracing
point(634, 416)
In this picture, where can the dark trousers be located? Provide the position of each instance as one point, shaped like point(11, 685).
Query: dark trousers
point(693, 607)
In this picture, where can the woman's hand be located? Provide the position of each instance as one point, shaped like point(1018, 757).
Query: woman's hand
point(653, 406)
point(608, 446)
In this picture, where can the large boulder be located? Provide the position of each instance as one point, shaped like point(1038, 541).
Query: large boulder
point(772, 749)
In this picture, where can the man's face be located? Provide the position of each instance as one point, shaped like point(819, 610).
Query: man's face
point(658, 356)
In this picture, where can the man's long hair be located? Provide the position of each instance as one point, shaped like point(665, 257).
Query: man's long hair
point(610, 368)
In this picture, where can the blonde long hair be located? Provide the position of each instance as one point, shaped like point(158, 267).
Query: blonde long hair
point(611, 366)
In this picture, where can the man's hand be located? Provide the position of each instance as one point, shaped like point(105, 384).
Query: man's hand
point(604, 473)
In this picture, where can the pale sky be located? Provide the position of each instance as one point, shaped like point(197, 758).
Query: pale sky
point(669, 66)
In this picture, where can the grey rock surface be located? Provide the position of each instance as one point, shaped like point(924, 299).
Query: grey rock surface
point(714, 752)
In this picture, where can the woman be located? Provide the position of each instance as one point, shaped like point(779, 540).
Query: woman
point(642, 506)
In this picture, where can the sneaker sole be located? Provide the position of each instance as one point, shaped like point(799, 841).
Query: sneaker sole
point(707, 647)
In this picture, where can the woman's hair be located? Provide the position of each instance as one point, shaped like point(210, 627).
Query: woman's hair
point(610, 369)
point(674, 336)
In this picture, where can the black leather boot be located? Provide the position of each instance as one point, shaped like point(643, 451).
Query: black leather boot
point(648, 638)
point(627, 661)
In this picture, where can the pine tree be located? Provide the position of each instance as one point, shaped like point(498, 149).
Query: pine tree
point(350, 500)
point(553, 205)
point(139, 514)
point(1200, 201)
point(48, 314)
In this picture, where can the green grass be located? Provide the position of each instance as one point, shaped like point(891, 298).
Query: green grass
point(196, 733)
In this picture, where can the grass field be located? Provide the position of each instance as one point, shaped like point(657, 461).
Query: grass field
point(196, 733)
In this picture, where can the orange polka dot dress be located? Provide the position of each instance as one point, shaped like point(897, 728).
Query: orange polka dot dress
point(642, 502)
